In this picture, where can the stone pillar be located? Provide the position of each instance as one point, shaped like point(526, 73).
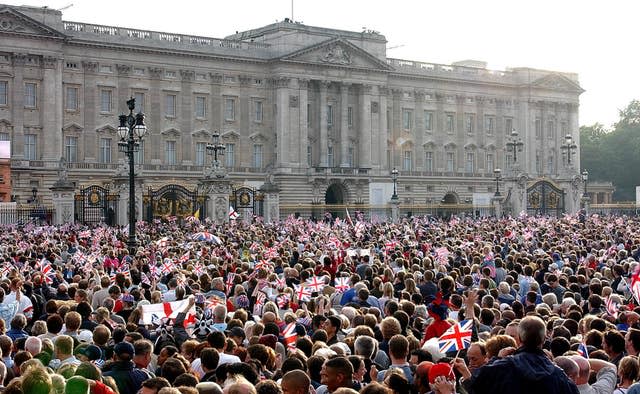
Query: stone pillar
point(384, 132)
point(324, 133)
point(395, 209)
point(87, 146)
point(271, 202)
point(122, 189)
point(344, 124)
point(17, 102)
point(186, 124)
point(497, 206)
point(63, 202)
point(51, 110)
point(282, 125)
point(217, 191)
point(303, 89)
point(364, 138)
point(153, 145)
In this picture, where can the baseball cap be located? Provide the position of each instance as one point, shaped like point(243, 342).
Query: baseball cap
point(440, 369)
point(124, 348)
point(92, 352)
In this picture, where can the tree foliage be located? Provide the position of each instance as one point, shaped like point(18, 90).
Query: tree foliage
point(614, 155)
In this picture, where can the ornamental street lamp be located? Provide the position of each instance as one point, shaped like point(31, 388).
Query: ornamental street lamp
point(568, 148)
point(498, 173)
point(214, 149)
point(585, 178)
point(394, 176)
point(131, 131)
point(515, 145)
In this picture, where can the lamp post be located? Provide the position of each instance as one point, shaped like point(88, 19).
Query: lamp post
point(515, 145)
point(394, 176)
point(568, 148)
point(498, 173)
point(214, 149)
point(131, 131)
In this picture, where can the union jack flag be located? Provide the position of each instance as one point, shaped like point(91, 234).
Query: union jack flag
point(290, 336)
point(315, 283)
point(198, 269)
point(167, 266)
point(280, 283)
point(84, 234)
point(230, 281)
point(456, 337)
point(342, 284)
point(283, 300)
point(145, 279)
point(261, 264)
point(582, 350)
point(612, 307)
point(303, 293)
point(185, 257)
point(260, 299)
point(442, 254)
point(48, 271)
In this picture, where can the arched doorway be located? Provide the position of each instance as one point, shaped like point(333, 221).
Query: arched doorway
point(336, 194)
point(449, 205)
point(450, 198)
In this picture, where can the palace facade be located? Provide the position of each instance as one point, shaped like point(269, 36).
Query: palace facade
point(321, 114)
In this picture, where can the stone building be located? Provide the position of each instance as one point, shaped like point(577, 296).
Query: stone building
point(321, 115)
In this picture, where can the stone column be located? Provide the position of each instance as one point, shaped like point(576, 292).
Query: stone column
point(154, 148)
point(217, 191)
point(282, 125)
point(87, 148)
point(497, 206)
point(395, 209)
point(51, 110)
point(384, 132)
point(186, 124)
point(17, 103)
point(344, 124)
point(303, 89)
point(63, 202)
point(324, 133)
point(271, 202)
point(122, 189)
point(364, 137)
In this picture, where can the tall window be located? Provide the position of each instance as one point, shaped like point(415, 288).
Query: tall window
point(329, 115)
point(406, 161)
point(170, 105)
point(330, 156)
point(350, 156)
point(71, 99)
point(551, 130)
point(30, 95)
point(258, 114)
point(489, 124)
point(71, 149)
point(468, 165)
point(564, 128)
point(451, 161)
point(551, 163)
point(509, 160)
point(309, 155)
point(200, 153)
point(407, 119)
point(139, 102)
point(538, 129)
point(201, 108)
point(469, 120)
point(105, 150)
point(428, 120)
point(491, 165)
point(105, 100)
point(170, 152)
point(428, 161)
point(508, 126)
point(229, 109)
point(257, 156)
point(450, 123)
point(230, 155)
point(138, 155)
point(4, 93)
point(4, 137)
point(350, 117)
point(30, 147)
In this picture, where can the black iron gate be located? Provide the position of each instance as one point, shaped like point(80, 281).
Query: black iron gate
point(247, 202)
point(94, 204)
point(173, 201)
point(546, 199)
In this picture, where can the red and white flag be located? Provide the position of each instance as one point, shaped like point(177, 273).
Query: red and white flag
point(635, 284)
point(230, 281)
point(233, 215)
point(290, 336)
point(342, 284)
point(315, 284)
point(612, 307)
point(457, 337)
point(154, 312)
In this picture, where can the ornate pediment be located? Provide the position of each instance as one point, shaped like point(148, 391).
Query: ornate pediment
point(429, 145)
point(171, 133)
point(203, 134)
point(337, 52)
point(14, 22)
point(557, 82)
point(72, 128)
point(258, 137)
point(230, 135)
point(402, 141)
point(107, 129)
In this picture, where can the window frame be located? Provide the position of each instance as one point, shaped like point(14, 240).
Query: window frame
point(27, 101)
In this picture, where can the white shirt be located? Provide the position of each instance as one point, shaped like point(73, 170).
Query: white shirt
point(228, 359)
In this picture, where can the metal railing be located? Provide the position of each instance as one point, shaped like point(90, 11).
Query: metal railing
point(22, 214)
point(625, 208)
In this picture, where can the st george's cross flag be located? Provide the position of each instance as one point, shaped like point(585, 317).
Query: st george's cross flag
point(169, 310)
point(457, 337)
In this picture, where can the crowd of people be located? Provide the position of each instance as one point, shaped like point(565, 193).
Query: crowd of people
point(424, 305)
